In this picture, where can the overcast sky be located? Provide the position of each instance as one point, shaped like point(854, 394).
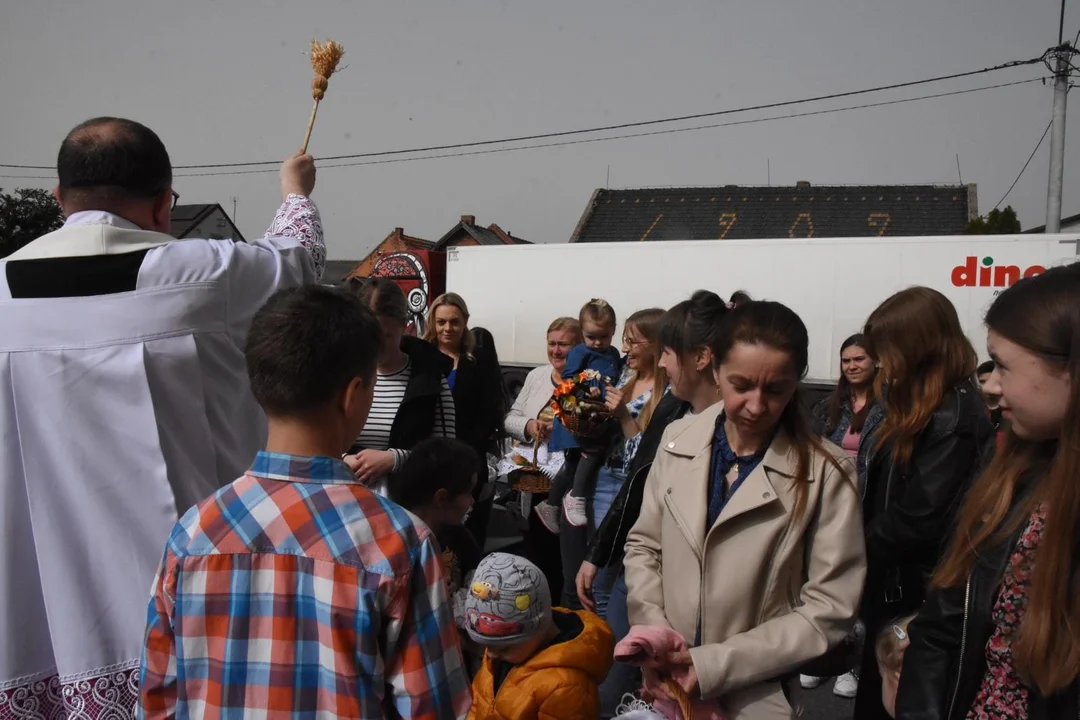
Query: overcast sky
point(228, 82)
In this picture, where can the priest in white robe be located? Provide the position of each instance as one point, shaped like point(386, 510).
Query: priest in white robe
point(124, 400)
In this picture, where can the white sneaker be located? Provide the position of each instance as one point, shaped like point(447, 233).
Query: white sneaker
point(809, 682)
point(549, 516)
point(847, 685)
point(574, 508)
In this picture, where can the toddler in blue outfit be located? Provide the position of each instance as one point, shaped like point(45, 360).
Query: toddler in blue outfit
point(572, 487)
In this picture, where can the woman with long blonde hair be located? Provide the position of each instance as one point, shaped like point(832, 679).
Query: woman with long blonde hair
point(999, 635)
point(477, 390)
point(925, 454)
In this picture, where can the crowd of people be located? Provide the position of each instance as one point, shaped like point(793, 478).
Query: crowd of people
point(228, 490)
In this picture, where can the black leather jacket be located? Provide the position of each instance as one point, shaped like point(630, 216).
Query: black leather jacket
point(607, 544)
point(946, 661)
point(908, 511)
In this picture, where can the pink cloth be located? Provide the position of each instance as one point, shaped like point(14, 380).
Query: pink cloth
point(648, 647)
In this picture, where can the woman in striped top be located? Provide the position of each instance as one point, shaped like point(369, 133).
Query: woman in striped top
point(412, 397)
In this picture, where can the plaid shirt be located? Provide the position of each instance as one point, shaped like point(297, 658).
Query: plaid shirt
point(296, 591)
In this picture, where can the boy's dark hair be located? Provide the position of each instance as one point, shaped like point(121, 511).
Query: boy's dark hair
point(110, 158)
point(382, 295)
point(306, 344)
point(434, 464)
point(985, 368)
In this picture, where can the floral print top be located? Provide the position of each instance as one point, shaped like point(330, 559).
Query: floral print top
point(1003, 695)
point(622, 454)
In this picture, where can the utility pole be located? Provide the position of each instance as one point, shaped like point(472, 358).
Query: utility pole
point(1057, 141)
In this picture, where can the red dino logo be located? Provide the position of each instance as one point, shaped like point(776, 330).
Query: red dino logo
point(990, 275)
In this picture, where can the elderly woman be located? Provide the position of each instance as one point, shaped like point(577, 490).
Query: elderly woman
point(529, 419)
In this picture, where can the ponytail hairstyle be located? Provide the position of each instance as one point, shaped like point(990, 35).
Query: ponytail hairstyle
point(1041, 315)
point(778, 327)
point(647, 324)
point(692, 324)
point(922, 353)
point(598, 311)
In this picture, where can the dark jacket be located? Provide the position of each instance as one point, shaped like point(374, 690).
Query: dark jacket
point(477, 402)
point(946, 661)
point(820, 416)
point(607, 544)
point(420, 408)
point(908, 510)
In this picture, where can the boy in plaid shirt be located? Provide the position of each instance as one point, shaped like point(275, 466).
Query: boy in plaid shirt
point(296, 591)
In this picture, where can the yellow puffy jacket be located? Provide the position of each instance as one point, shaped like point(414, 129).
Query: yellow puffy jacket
point(557, 683)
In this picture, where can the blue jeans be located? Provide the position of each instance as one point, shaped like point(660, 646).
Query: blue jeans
point(608, 485)
point(621, 679)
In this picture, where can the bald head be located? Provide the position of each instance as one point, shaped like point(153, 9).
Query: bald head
point(108, 161)
point(117, 166)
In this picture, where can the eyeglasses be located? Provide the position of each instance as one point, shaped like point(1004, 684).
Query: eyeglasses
point(630, 342)
point(175, 197)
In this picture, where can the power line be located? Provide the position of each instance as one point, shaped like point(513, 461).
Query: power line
point(608, 128)
point(1032, 155)
point(651, 133)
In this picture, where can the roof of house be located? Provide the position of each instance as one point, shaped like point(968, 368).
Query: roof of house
point(735, 212)
point(337, 270)
point(491, 235)
point(185, 218)
point(1071, 220)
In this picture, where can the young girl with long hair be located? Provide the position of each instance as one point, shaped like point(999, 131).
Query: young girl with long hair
point(999, 635)
point(925, 454)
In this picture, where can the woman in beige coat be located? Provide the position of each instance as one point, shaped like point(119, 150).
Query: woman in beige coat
point(750, 539)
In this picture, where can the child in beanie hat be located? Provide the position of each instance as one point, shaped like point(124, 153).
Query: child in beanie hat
point(539, 660)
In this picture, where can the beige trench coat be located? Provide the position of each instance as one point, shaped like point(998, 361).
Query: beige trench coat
point(772, 591)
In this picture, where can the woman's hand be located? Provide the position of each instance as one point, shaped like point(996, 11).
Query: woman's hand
point(370, 465)
point(538, 429)
point(613, 401)
point(681, 669)
point(586, 575)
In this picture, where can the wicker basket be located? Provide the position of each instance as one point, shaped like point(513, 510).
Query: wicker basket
point(528, 478)
point(587, 427)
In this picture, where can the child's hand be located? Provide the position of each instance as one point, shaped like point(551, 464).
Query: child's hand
point(370, 465)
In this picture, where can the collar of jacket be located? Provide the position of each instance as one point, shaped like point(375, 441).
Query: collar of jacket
point(696, 439)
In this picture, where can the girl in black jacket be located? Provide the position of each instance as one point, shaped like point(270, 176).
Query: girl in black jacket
point(999, 635)
point(686, 334)
point(925, 454)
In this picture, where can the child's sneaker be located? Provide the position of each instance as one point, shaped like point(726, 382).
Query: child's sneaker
point(549, 516)
point(846, 686)
point(574, 508)
point(809, 682)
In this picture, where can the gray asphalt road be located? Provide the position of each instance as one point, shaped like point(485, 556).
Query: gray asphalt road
point(821, 704)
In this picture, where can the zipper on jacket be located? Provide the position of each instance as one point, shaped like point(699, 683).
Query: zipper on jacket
point(963, 647)
point(677, 517)
point(622, 515)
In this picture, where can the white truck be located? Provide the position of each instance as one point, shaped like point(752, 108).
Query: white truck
point(834, 284)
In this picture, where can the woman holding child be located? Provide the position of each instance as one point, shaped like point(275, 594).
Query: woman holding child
point(529, 419)
point(998, 636)
point(748, 549)
point(686, 332)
